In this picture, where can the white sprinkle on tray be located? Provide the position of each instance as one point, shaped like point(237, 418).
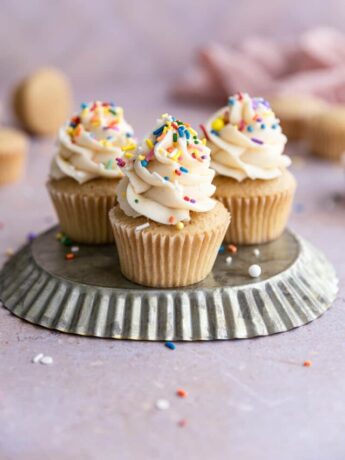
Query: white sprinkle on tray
point(254, 271)
point(256, 252)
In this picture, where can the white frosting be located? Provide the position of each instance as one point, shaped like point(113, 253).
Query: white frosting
point(90, 142)
point(246, 140)
point(169, 175)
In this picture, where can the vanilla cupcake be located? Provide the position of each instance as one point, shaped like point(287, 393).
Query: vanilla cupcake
point(13, 151)
point(167, 228)
point(326, 133)
point(252, 180)
point(295, 111)
point(85, 170)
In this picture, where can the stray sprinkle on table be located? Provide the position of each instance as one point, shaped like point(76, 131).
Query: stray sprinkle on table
point(181, 393)
point(36, 359)
point(228, 260)
point(307, 363)
point(254, 271)
point(47, 360)
point(162, 404)
point(42, 359)
point(256, 252)
point(142, 227)
point(182, 423)
point(170, 345)
point(69, 256)
point(75, 249)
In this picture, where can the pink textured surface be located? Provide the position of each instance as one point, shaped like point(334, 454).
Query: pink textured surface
point(246, 399)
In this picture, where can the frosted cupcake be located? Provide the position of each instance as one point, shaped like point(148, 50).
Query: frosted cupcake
point(252, 179)
point(167, 227)
point(85, 171)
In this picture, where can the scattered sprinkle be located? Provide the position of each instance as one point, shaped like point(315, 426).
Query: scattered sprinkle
point(221, 249)
point(182, 423)
point(31, 236)
point(256, 252)
point(69, 256)
point(42, 359)
point(36, 359)
point(181, 393)
point(75, 249)
point(254, 271)
point(228, 260)
point(162, 404)
point(180, 225)
point(232, 248)
point(307, 363)
point(170, 345)
point(142, 227)
point(47, 360)
point(298, 207)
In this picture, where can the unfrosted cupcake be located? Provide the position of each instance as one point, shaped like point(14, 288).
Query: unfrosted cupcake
point(13, 149)
point(294, 112)
point(326, 133)
point(85, 171)
point(167, 228)
point(252, 181)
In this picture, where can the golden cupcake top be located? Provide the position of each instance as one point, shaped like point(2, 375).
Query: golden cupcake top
point(246, 139)
point(168, 176)
point(90, 141)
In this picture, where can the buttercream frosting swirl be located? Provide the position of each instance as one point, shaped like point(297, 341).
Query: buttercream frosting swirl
point(168, 176)
point(246, 140)
point(89, 143)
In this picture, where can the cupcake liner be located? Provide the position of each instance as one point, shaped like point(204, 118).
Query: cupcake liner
point(257, 219)
point(326, 144)
point(150, 258)
point(83, 218)
point(11, 167)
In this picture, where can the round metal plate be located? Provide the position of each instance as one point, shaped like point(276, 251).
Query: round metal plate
point(89, 296)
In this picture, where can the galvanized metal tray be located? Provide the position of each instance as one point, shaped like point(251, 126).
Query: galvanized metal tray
point(89, 296)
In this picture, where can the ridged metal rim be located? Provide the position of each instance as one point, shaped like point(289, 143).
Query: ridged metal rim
point(288, 300)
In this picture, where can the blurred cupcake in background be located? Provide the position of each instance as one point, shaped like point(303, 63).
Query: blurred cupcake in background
point(167, 228)
point(252, 179)
point(294, 112)
point(326, 133)
point(13, 151)
point(85, 170)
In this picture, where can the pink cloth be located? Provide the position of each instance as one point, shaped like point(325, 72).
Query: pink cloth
point(314, 64)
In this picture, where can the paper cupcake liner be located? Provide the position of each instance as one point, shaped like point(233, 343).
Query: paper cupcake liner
point(11, 167)
point(256, 220)
point(89, 296)
point(162, 260)
point(328, 145)
point(84, 219)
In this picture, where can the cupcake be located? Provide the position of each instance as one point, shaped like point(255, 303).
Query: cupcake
point(13, 148)
point(295, 111)
point(167, 228)
point(85, 170)
point(326, 134)
point(252, 179)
